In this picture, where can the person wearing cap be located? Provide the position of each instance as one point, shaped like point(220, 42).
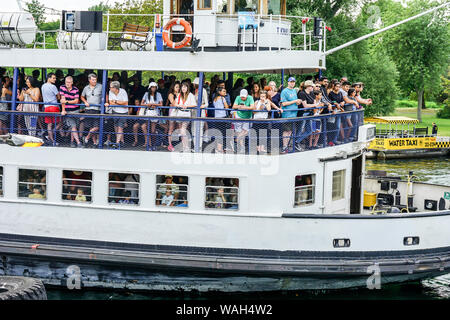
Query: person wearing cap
point(151, 100)
point(203, 106)
point(244, 104)
point(307, 97)
point(289, 104)
point(167, 185)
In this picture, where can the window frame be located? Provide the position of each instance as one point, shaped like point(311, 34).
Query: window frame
point(173, 176)
point(225, 209)
point(40, 183)
point(121, 204)
point(313, 178)
point(258, 9)
point(342, 185)
point(91, 186)
point(2, 192)
point(205, 8)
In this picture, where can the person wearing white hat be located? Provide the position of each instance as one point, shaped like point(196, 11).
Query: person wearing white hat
point(149, 107)
point(244, 104)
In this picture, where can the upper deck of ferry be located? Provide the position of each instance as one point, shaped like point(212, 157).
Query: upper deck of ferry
point(227, 36)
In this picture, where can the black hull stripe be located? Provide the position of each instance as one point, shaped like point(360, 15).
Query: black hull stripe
point(226, 252)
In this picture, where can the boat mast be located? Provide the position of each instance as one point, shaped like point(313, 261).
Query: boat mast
point(385, 29)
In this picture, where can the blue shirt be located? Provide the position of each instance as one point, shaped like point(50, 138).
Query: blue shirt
point(286, 96)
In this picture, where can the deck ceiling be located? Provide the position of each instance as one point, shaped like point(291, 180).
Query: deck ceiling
point(293, 62)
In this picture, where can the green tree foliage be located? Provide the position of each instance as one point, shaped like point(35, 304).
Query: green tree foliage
point(325, 9)
point(101, 6)
point(445, 112)
point(366, 61)
point(419, 48)
point(133, 7)
point(37, 11)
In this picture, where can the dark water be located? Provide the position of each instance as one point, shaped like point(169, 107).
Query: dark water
point(434, 170)
point(430, 170)
point(433, 289)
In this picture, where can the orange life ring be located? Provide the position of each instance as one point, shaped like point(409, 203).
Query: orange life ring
point(187, 30)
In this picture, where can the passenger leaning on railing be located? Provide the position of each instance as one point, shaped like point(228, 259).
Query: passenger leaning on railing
point(6, 94)
point(338, 102)
point(30, 94)
point(350, 105)
point(220, 104)
point(289, 103)
point(118, 100)
point(185, 101)
point(304, 131)
point(92, 98)
point(50, 96)
point(200, 126)
point(262, 109)
point(151, 101)
point(174, 91)
point(70, 97)
point(244, 104)
point(316, 125)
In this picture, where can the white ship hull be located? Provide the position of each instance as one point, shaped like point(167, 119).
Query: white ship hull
point(169, 251)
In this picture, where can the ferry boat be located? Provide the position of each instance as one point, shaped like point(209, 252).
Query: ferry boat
point(243, 221)
point(399, 137)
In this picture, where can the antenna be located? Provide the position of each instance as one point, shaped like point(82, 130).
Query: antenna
point(385, 29)
point(19, 5)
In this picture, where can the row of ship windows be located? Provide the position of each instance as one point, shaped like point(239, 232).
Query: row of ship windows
point(123, 188)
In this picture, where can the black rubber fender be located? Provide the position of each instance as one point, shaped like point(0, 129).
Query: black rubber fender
point(21, 288)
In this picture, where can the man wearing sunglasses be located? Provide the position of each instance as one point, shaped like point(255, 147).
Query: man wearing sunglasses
point(92, 98)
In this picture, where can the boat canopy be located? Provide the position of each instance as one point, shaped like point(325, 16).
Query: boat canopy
point(391, 120)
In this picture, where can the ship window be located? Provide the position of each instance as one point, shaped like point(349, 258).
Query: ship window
point(222, 193)
point(77, 186)
point(246, 5)
point(172, 191)
point(272, 7)
point(305, 187)
point(32, 184)
point(1, 181)
point(223, 6)
point(204, 4)
point(123, 188)
point(338, 184)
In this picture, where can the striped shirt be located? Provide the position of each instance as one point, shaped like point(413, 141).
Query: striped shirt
point(72, 94)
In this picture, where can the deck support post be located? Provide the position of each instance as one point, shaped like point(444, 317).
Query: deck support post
point(14, 99)
point(197, 137)
point(102, 108)
point(282, 78)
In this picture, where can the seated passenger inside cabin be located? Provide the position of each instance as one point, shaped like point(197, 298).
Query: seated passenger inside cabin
point(36, 194)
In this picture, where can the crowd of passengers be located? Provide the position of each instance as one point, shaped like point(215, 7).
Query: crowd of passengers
point(70, 94)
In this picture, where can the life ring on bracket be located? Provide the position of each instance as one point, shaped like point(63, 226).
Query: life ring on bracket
point(187, 29)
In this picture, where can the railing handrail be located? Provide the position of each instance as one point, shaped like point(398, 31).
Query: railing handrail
point(172, 118)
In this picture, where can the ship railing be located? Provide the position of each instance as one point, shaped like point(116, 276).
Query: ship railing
point(178, 190)
point(222, 197)
point(118, 192)
point(301, 31)
point(153, 133)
